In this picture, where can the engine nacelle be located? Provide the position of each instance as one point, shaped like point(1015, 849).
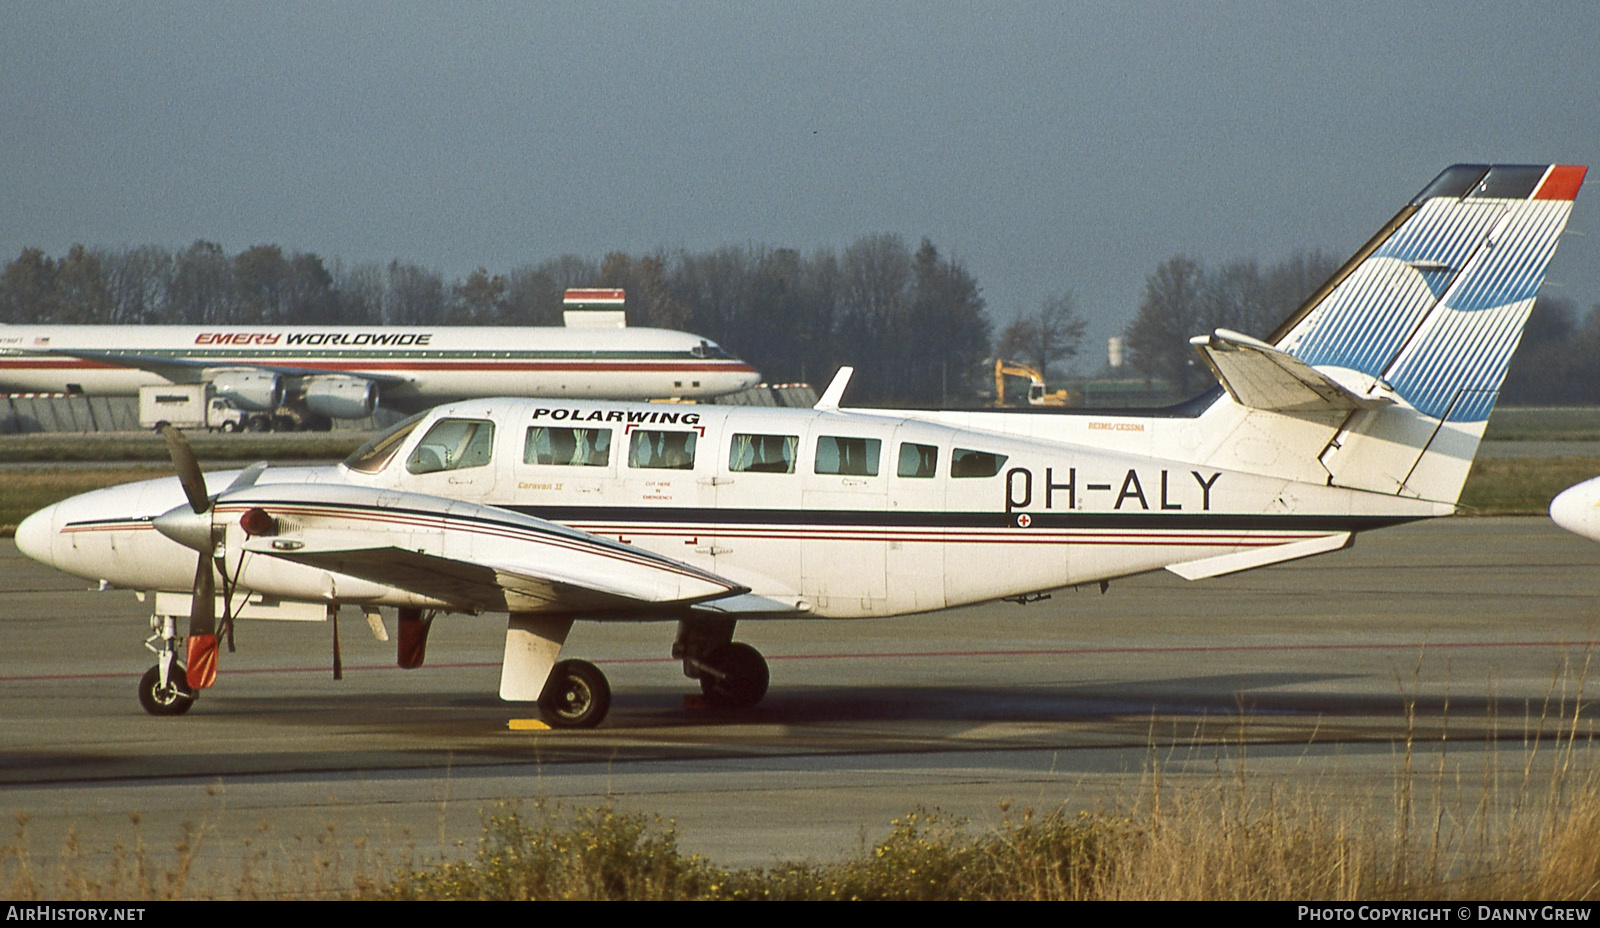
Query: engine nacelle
point(252, 390)
point(340, 397)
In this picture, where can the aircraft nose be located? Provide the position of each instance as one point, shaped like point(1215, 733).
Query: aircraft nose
point(36, 533)
point(1573, 508)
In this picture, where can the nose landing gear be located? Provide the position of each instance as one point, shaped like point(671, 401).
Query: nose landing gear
point(164, 688)
point(171, 697)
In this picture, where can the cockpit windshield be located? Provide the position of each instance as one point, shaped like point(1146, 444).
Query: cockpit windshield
point(375, 455)
point(708, 350)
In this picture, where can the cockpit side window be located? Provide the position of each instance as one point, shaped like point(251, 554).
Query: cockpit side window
point(376, 454)
point(453, 444)
point(567, 447)
point(659, 450)
point(964, 462)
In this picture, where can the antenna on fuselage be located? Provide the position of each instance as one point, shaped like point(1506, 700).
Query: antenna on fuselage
point(835, 392)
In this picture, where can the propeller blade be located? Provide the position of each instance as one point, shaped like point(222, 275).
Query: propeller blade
point(187, 465)
point(202, 670)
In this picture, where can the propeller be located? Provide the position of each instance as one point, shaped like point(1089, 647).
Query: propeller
point(193, 528)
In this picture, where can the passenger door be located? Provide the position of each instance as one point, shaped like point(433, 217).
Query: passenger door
point(845, 502)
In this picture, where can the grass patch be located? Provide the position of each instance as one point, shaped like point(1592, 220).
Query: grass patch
point(1522, 486)
point(1544, 423)
point(209, 446)
point(1222, 842)
point(24, 490)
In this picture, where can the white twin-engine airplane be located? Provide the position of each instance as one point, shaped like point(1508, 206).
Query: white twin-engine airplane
point(342, 371)
point(1363, 410)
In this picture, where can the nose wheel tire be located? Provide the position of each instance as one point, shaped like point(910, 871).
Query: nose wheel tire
point(172, 699)
point(576, 696)
point(735, 677)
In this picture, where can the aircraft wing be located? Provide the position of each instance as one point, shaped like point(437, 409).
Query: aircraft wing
point(186, 370)
point(1260, 376)
point(469, 556)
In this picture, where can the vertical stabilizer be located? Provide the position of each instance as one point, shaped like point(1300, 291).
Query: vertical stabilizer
point(1427, 316)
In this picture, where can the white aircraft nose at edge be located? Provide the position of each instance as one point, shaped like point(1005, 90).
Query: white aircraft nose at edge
point(1364, 409)
point(1577, 509)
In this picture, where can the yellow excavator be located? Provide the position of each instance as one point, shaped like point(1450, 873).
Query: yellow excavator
point(1036, 386)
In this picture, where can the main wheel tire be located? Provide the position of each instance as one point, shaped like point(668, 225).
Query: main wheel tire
point(744, 678)
point(576, 696)
point(174, 699)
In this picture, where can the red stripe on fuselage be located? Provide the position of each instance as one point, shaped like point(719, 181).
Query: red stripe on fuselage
point(358, 366)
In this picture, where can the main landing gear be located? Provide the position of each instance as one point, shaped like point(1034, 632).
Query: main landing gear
point(732, 675)
point(735, 677)
point(576, 696)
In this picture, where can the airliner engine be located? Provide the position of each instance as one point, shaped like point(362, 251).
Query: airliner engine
point(251, 390)
point(340, 397)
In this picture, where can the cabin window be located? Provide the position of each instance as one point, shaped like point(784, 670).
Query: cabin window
point(453, 444)
point(918, 460)
point(965, 462)
point(567, 447)
point(376, 454)
point(763, 454)
point(661, 450)
point(850, 457)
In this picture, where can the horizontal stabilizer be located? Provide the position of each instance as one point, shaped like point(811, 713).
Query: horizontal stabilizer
point(1260, 376)
point(1259, 557)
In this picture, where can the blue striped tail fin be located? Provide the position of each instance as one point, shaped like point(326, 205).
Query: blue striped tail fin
point(1427, 315)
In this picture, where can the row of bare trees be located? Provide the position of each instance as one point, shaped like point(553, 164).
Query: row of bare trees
point(1183, 298)
point(1555, 365)
point(911, 320)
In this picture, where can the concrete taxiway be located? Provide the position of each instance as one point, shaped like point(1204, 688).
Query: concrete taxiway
point(1465, 638)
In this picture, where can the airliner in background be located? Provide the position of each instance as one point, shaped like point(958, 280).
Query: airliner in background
point(279, 374)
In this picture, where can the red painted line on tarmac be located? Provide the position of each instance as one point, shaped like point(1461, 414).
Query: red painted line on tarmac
point(899, 655)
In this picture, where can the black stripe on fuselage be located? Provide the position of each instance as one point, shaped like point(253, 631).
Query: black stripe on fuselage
point(835, 518)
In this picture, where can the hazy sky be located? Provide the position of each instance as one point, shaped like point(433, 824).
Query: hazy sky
point(1049, 147)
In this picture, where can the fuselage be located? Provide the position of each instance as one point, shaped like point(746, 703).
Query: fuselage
point(413, 365)
point(841, 513)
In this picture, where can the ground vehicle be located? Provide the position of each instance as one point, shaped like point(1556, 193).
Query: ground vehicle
point(188, 406)
point(1036, 385)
